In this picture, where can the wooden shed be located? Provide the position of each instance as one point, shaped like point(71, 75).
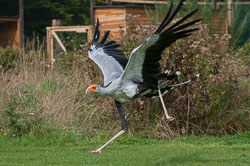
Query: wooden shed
point(11, 30)
point(115, 18)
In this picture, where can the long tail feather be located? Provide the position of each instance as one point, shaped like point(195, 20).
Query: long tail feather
point(183, 83)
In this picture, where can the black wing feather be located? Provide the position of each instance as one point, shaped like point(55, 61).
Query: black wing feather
point(108, 43)
point(112, 46)
point(105, 36)
point(151, 66)
point(180, 21)
point(96, 33)
point(162, 26)
point(168, 19)
point(109, 47)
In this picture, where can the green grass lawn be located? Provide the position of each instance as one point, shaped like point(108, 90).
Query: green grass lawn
point(228, 151)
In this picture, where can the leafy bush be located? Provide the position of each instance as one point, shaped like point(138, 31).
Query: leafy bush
point(215, 104)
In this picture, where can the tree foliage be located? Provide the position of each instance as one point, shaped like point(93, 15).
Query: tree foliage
point(38, 14)
point(8, 8)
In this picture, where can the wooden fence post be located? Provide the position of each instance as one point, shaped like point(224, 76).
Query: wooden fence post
point(230, 12)
point(52, 59)
point(56, 22)
point(51, 34)
point(92, 14)
point(21, 24)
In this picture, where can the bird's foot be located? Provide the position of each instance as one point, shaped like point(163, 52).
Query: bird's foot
point(96, 151)
point(170, 118)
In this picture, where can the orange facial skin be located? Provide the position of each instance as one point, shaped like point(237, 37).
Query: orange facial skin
point(92, 88)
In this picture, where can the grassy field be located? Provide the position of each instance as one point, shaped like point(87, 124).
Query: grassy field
point(71, 150)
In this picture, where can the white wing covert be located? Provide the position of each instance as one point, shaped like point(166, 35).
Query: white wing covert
point(110, 68)
point(109, 59)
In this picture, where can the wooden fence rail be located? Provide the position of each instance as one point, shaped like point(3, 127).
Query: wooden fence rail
point(51, 34)
point(164, 2)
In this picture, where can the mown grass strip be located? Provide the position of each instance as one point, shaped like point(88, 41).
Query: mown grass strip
point(189, 151)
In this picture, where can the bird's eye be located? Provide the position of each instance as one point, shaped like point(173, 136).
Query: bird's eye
point(93, 87)
point(90, 50)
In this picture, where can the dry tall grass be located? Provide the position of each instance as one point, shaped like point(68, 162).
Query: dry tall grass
point(57, 97)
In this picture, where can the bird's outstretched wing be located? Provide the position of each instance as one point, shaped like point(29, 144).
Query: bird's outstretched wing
point(109, 59)
point(143, 66)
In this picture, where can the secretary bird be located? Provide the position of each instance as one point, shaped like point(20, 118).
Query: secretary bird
point(126, 79)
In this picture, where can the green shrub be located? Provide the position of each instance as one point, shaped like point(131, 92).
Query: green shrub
point(215, 104)
point(20, 118)
point(244, 53)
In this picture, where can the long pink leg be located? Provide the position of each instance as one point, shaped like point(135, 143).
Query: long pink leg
point(170, 118)
point(120, 108)
point(99, 150)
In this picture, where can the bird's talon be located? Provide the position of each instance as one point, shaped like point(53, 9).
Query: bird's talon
point(96, 151)
point(170, 118)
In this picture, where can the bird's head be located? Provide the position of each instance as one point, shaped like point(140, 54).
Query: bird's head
point(92, 88)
